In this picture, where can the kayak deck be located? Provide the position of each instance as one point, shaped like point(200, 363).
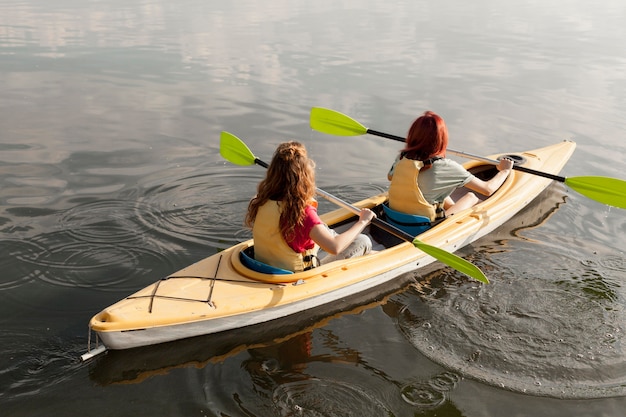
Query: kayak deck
point(220, 293)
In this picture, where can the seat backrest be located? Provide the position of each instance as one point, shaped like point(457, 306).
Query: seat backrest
point(247, 258)
point(410, 223)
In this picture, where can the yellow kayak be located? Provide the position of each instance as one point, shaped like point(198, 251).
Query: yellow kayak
point(221, 292)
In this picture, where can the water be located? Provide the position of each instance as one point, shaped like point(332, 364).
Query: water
point(111, 178)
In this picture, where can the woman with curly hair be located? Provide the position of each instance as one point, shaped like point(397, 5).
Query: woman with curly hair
point(286, 228)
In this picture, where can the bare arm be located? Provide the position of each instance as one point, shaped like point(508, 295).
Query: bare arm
point(334, 244)
point(489, 187)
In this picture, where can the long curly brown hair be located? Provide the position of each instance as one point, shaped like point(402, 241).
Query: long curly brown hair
point(290, 179)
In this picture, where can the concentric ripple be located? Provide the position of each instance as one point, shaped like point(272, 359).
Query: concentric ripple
point(423, 395)
point(81, 265)
point(59, 260)
point(182, 207)
point(557, 333)
point(106, 221)
point(318, 398)
point(431, 393)
point(15, 253)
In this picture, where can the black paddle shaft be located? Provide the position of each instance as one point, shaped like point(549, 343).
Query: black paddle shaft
point(515, 166)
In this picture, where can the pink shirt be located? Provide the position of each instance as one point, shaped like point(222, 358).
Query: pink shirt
point(302, 240)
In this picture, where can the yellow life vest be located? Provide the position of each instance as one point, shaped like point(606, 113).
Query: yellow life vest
point(270, 246)
point(404, 193)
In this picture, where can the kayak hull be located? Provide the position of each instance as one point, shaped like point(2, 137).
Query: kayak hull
point(219, 293)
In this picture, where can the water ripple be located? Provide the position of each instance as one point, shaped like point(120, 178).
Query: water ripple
point(181, 208)
point(423, 395)
point(559, 335)
point(106, 221)
point(57, 259)
point(30, 366)
point(87, 265)
point(15, 253)
point(317, 397)
point(431, 393)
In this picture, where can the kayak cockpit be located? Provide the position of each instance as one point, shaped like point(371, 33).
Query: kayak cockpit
point(247, 258)
point(244, 264)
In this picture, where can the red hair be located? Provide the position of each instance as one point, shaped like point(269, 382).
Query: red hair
point(427, 137)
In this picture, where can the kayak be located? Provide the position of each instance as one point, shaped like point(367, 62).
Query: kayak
point(225, 291)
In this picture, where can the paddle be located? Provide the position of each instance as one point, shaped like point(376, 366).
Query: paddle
point(611, 191)
point(235, 151)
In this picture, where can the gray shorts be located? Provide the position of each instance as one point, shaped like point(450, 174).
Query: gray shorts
point(362, 245)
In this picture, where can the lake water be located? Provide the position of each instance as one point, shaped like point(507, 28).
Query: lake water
point(111, 178)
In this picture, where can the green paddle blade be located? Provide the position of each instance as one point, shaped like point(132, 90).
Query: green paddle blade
point(611, 191)
point(234, 150)
point(452, 260)
point(334, 123)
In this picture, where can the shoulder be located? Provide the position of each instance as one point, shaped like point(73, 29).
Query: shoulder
point(310, 215)
point(448, 167)
point(449, 164)
point(310, 209)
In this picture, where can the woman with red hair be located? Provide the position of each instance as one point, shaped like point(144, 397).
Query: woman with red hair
point(422, 178)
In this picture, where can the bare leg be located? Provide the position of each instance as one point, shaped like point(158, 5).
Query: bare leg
point(467, 201)
point(362, 245)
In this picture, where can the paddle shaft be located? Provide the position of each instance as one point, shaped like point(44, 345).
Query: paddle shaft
point(375, 221)
point(476, 157)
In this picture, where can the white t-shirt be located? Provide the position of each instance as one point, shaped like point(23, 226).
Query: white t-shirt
point(441, 179)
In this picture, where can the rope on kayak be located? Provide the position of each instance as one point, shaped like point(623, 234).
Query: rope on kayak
point(91, 353)
point(208, 300)
point(272, 284)
point(89, 341)
point(165, 297)
point(169, 297)
point(156, 287)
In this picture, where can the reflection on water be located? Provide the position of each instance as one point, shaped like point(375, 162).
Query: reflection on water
point(280, 371)
point(314, 397)
point(329, 378)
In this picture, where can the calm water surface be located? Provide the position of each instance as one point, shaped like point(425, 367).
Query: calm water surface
point(111, 179)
